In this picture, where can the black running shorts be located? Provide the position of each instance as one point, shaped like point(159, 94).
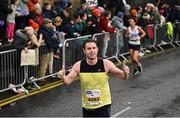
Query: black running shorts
point(134, 47)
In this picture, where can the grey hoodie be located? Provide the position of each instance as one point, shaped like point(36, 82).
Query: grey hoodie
point(118, 23)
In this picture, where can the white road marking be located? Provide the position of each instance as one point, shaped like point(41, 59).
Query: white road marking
point(121, 112)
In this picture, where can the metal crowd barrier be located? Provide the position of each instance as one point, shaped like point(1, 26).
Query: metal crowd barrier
point(177, 33)
point(161, 36)
point(10, 71)
point(72, 50)
point(115, 46)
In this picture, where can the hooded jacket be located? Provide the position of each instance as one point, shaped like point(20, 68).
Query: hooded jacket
point(118, 23)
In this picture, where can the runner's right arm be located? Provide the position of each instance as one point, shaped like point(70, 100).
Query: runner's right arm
point(72, 75)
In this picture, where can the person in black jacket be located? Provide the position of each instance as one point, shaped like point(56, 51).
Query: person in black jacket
point(4, 10)
point(68, 28)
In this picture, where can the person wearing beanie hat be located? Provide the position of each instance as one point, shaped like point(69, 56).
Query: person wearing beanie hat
point(47, 20)
point(49, 34)
point(118, 23)
point(34, 25)
point(101, 9)
point(133, 13)
point(96, 12)
point(120, 14)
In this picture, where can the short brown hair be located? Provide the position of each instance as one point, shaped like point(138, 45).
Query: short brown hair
point(89, 41)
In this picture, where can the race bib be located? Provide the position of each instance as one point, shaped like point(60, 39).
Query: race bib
point(93, 97)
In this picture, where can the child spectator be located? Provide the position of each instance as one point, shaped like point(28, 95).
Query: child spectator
point(11, 20)
point(4, 10)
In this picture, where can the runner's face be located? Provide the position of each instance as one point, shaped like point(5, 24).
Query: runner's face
point(131, 22)
point(91, 50)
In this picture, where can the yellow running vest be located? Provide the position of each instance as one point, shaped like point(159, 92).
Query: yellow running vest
point(95, 90)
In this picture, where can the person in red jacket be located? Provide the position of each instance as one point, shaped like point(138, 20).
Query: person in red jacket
point(105, 26)
point(32, 5)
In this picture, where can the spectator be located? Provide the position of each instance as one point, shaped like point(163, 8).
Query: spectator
point(91, 27)
point(84, 17)
point(32, 5)
point(4, 11)
point(34, 25)
point(47, 11)
point(134, 14)
point(49, 35)
point(33, 38)
point(22, 20)
point(117, 22)
point(68, 28)
point(57, 23)
point(63, 7)
point(37, 15)
point(163, 20)
point(126, 14)
point(26, 38)
point(177, 11)
point(78, 25)
point(104, 27)
point(153, 11)
point(11, 20)
point(94, 21)
point(65, 4)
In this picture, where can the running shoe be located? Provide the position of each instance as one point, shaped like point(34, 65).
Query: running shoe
point(135, 72)
point(140, 67)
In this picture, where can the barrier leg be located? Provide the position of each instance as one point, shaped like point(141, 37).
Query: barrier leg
point(124, 58)
point(177, 43)
point(155, 48)
point(160, 47)
point(32, 79)
point(26, 91)
point(173, 45)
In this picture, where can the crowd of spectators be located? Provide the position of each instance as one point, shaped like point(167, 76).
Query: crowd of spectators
point(87, 19)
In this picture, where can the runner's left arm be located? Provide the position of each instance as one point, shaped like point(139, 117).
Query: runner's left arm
point(111, 68)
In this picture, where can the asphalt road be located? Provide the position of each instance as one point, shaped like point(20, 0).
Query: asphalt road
point(154, 93)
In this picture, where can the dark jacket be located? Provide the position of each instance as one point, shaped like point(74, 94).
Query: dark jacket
point(4, 9)
point(50, 38)
point(49, 14)
point(69, 30)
